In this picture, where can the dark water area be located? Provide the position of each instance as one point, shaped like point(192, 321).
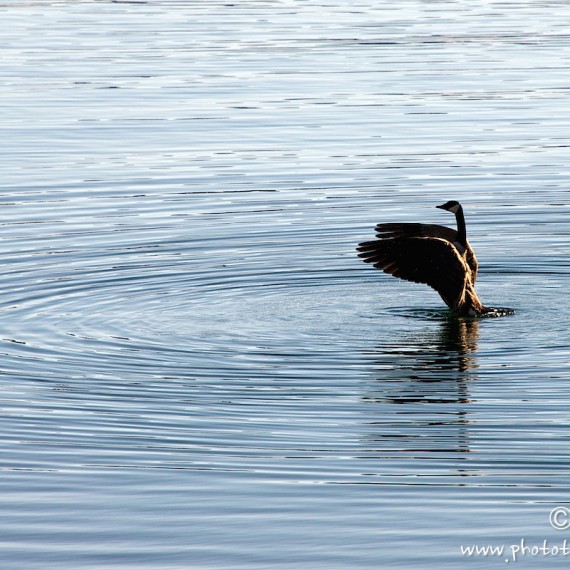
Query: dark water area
point(197, 371)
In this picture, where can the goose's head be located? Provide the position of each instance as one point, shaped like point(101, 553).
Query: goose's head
point(451, 206)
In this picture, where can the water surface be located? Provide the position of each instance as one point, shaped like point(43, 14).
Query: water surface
point(197, 371)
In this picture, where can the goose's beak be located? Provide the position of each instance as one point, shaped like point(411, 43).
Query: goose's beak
point(441, 207)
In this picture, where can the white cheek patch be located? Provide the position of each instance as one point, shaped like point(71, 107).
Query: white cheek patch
point(454, 209)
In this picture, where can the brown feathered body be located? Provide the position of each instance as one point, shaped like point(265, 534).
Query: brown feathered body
point(426, 253)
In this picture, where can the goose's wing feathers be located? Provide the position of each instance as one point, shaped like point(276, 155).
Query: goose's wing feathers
point(433, 261)
point(396, 230)
point(384, 231)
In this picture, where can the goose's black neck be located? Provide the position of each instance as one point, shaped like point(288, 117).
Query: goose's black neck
point(461, 229)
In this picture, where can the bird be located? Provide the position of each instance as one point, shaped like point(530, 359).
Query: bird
point(438, 256)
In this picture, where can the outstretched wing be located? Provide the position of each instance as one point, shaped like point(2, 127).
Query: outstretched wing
point(399, 230)
point(396, 230)
point(433, 261)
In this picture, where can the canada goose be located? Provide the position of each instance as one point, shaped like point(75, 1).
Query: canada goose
point(427, 253)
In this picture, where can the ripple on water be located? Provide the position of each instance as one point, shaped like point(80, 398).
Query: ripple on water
point(194, 360)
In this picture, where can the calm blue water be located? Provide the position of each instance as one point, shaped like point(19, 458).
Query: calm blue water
point(197, 372)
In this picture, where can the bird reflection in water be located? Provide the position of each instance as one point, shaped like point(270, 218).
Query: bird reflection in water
point(421, 390)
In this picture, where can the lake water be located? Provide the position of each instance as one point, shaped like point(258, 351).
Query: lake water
point(197, 372)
